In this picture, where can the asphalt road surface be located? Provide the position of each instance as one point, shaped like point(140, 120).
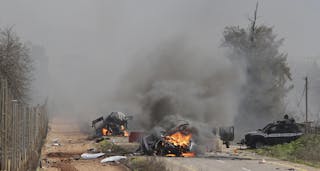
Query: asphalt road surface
point(219, 163)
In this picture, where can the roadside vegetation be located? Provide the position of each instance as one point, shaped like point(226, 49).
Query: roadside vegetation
point(146, 164)
point(109, 147)
point(305, 150)
point(134, 163)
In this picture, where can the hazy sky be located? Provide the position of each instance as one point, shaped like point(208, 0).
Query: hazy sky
point(91, 42)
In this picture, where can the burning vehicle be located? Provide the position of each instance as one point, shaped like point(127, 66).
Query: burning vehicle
point(176, 142)
point(283, 131)
point(116, 124)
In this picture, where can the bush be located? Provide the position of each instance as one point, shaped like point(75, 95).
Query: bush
point(305, 150)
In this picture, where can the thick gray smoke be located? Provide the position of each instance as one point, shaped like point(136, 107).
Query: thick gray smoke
point(90, 45)
point(177, 80)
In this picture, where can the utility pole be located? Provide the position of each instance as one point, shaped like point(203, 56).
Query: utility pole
point(306, 87)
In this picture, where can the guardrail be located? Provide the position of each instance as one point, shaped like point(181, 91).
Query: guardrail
point(22, 130)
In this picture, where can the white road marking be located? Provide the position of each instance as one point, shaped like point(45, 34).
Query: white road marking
point(245, 169)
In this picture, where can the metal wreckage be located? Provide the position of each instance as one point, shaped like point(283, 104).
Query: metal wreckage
point(116, 124)
point(174, 142)
point(178, 141)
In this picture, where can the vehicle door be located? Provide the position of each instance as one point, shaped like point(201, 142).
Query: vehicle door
point(293, 132)
point(274, 134)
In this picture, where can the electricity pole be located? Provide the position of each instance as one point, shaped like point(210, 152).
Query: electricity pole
point(306, 87)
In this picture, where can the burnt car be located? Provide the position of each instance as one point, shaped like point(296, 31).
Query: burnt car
point(175, 142)
point(278, 132)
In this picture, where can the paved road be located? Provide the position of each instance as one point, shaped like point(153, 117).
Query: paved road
point(218, 163)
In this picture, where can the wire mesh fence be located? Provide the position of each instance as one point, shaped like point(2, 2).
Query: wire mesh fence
point(313, 129)
point(22, 130)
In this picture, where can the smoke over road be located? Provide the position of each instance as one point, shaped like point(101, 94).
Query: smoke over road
point(167, 50)
point(178, 80)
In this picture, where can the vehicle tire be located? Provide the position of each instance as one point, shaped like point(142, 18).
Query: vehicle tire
point(258, 144)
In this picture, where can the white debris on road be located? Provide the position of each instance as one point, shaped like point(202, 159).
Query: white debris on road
point(113, 159)
point(91, 156)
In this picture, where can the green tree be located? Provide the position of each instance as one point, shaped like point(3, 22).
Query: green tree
point(256, 49)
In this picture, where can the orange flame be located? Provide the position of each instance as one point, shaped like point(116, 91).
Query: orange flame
point(179, 139)
point(105, 132)
point(171, 155)
point(182, 140)
point(125, 133)
point(188, 154)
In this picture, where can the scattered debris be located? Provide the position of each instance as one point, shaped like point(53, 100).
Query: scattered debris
point(55, 140)
point(56, 144)
point(113, 159)
point(92, 150)
point(91, 156)
point(76, 158)
point(262, 161)
point(235, 151)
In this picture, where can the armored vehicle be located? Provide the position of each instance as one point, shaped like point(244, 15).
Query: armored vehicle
point(279, 132)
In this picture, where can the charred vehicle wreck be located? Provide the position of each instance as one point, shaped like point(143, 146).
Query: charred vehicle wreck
point(174, 142)
point(279, 132)
point(116, 124)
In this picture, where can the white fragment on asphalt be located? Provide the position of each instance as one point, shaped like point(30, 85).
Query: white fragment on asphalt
point(262, 161)
point(113, 159)
point(91, 156)
point(245, 169)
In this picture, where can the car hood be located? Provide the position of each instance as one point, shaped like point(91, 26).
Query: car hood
point(255, 133)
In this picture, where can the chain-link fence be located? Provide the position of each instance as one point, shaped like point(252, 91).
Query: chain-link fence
point(22, 130)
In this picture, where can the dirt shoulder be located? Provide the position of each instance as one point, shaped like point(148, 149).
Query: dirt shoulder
point(63, 147)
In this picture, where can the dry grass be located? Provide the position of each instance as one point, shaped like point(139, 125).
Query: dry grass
point(304, 150)
point(146, 164)
point(109, 147)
